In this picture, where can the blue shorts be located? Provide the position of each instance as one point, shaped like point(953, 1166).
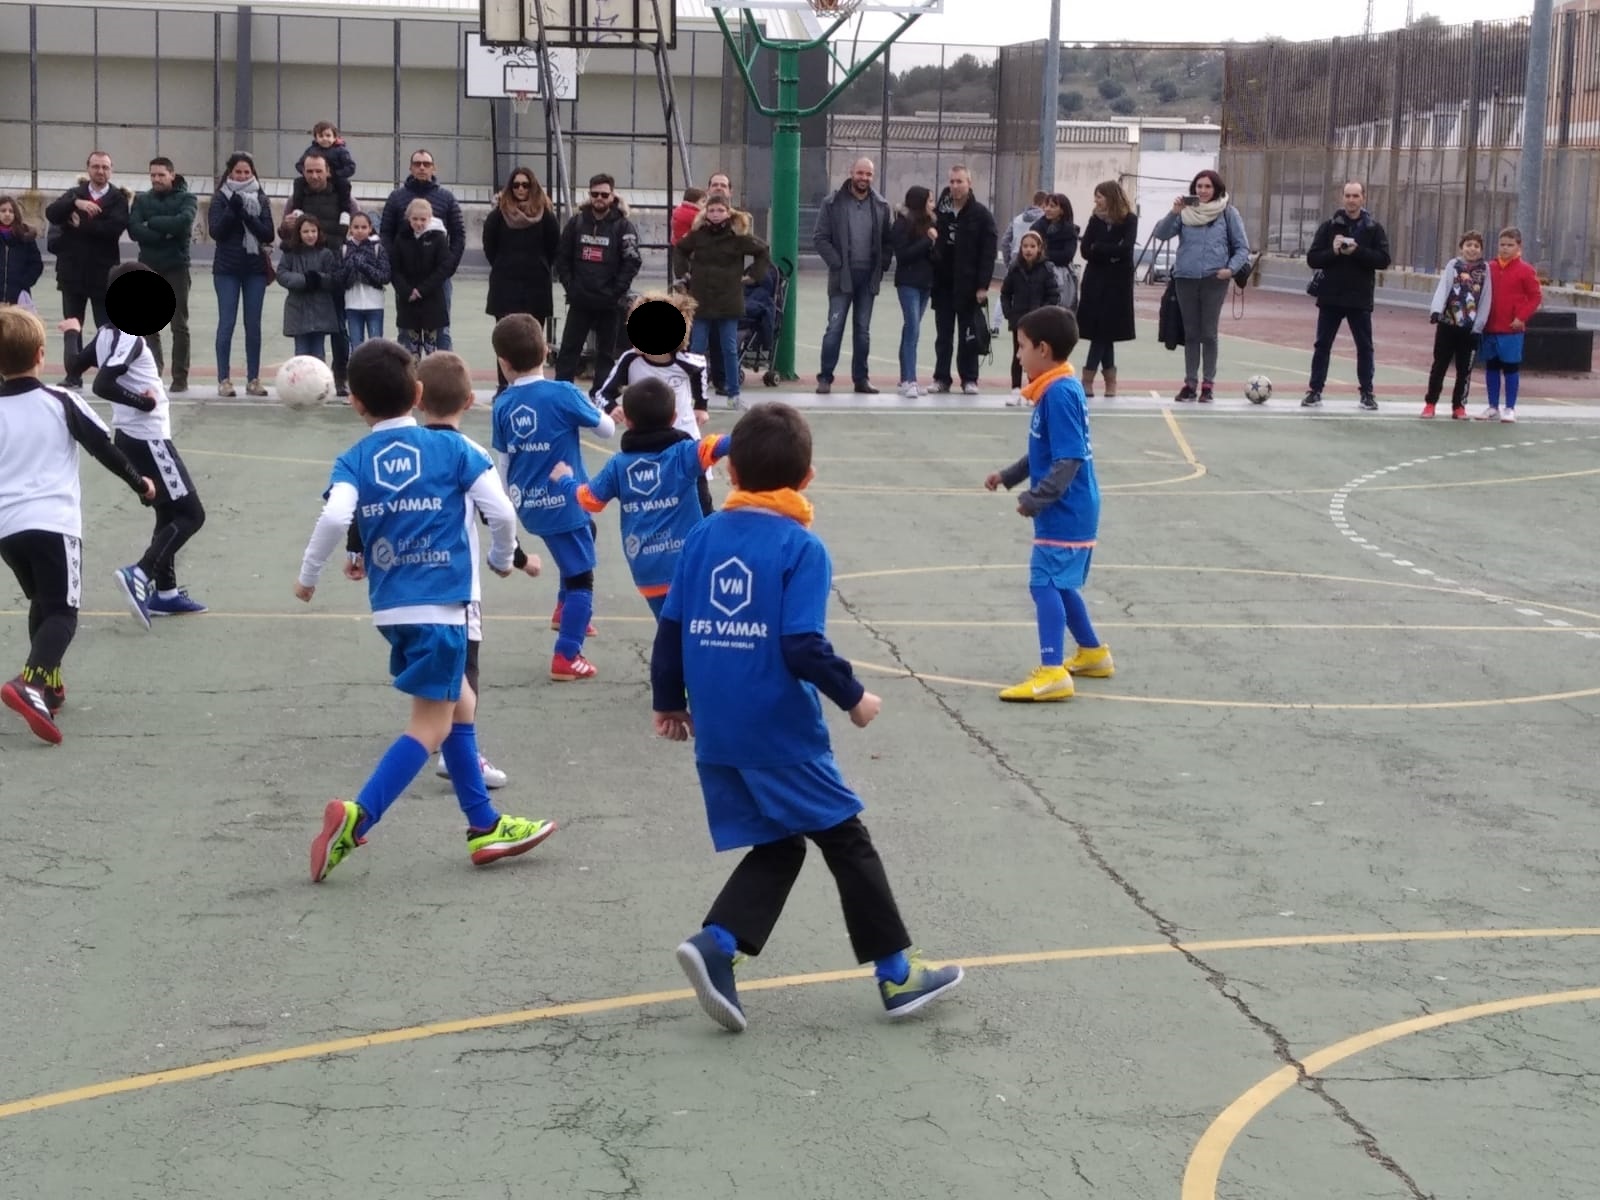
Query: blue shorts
point(572, 551)
point(1501, 349)
point(427, 661)
point(1059, 566)
point(750, 806)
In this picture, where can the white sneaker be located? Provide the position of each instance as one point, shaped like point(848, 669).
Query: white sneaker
point(908, 391)
point(969, 389)
point(1491, 413)
point(1508, 416)
point(493, 776)
point(1015, 400)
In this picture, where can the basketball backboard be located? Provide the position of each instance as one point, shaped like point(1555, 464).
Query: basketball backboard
point(823, 7)
point(496, 71)
point(580, 24)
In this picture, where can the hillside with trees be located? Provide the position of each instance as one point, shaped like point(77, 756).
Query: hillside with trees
point(1098, 83)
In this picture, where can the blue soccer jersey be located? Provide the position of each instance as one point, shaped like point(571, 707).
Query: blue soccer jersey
point(1060, 429)
point(659, 495)
point(411, 510)
point(536, 426)
point(746, 579)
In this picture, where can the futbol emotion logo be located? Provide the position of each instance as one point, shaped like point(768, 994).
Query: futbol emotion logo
point(381, 554)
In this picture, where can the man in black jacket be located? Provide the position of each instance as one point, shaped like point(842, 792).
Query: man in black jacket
point(318, 194)
point(596, 262)
point(852, 236)
point(963, 268)
point(422, 185)
point(91, 219)
point(1349, 250)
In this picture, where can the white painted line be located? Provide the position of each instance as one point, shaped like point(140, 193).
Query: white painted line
point(1404, 562)
point(1530, 612)
point(1558, 622)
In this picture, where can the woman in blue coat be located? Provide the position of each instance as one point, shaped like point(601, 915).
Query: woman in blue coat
point(240, 221)
point(21, 264)
point(1211, 247)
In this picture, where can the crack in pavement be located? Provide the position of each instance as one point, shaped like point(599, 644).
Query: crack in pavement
point(1167, 928)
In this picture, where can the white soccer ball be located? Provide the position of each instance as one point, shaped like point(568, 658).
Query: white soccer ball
point(1258, 389)
point(304, 382)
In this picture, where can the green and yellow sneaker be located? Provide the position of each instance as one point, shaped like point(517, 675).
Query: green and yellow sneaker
point(338, 837)
point(923, 984)
point(511, 837)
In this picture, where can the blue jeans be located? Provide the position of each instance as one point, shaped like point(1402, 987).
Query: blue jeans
point(363, 323)
point(314, 344)
point(444, 334)
point(858, 303)
point(230, 290)
point(913, 306)
point(726, 331)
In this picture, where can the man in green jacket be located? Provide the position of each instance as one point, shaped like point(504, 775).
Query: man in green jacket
point(161, 221)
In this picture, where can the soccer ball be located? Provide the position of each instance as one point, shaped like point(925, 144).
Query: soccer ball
point(1258, 389)
point(304, 382)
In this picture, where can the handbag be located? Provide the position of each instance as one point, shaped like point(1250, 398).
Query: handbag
point(266, 260)
point(1067, 281)
point(1170, 321)
point(25, 300)
point(1314, 284)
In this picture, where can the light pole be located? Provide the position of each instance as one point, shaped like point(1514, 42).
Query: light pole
point(1535, 101)
point(1051, 106)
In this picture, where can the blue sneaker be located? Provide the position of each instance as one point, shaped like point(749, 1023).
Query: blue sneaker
point(175, 606)
point(137, 590)
point(922, 985)
point(711, 973)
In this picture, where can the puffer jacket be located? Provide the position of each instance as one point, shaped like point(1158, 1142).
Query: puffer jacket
point(227, 223)
point(1203, 250)
point(446, 208)
point(314, 281)
point(21, 265)
point(596, 260)
point(421, 264)
point(713, 258)
point(162, 223)
point(1027, 288)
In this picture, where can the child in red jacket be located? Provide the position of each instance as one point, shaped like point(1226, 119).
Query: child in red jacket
point(1515, 298)
point(683, 216)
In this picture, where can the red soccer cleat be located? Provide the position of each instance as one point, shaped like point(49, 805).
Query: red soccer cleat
point(565, 670)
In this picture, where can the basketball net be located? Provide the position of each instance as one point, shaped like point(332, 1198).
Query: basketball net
point(834, 9)
point(521, 102)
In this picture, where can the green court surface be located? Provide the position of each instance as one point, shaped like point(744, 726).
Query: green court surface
point(1338, 783)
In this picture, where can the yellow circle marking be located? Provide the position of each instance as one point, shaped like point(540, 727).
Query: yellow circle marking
point(1205, 1164)
point(584, 1008)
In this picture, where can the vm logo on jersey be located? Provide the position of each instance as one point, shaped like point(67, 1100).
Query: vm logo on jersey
point(644, 477)
point(524, 420)
point(731, 584)
point(397, 466)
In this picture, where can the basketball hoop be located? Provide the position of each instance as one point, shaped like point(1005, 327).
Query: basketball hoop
point(521, 102)
point(834, 10)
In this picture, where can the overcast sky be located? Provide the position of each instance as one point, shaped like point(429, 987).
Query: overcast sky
point(997, 22)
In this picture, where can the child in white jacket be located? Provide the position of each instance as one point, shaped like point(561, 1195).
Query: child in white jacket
point(366, 274)
point(1460, 310)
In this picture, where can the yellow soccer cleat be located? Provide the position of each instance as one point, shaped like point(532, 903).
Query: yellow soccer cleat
point(1092, 663)
point(1046, 683)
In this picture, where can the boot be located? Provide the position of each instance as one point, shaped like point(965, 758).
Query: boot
point(1088, 384)
point(71, 347)
point(1111, 381)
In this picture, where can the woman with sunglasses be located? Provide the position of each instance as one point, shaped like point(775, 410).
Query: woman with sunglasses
point(520, 239)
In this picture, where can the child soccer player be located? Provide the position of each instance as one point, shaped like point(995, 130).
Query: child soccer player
point(446, 395)
point(1459, 311)
point(657, 475)
point(685, 373)
point(743, 632)
point(1063, 500)
point(142, 423)
point(41, 511)
point(1516, 297)
point(412, 491)
point(536, 424)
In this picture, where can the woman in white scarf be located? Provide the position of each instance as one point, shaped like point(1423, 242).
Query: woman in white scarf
point(1211, 247)
point(241, 226)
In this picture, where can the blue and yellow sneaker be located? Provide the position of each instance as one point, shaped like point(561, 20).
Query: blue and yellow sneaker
point(710, 971)
point(337, 839)
point(923, 984)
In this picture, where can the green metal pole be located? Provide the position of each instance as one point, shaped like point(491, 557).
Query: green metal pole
point(786, 195)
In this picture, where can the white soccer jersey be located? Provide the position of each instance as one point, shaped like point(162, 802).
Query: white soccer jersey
point(685, 375)
point(40, 431)
point(130, 363)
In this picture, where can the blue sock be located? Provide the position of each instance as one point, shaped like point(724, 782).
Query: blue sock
point(725, 941)
point(399, 765)
point(1078, 618)
point(1491, 376)
point(1052, 625)
point(561, 597)
point(466, 776)
point(1513, 383)
point(575, 614)
point(896, 968)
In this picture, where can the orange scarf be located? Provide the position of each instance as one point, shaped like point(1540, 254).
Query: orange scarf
point(1036, 387)
point(1504, 261)
point(786, 502)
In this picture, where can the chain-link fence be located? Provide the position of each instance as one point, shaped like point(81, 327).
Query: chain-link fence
point(1430, 118)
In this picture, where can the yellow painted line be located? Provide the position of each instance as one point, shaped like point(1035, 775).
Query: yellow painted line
point(1205, 1164)
point(1263, 705)
point(267, 458)
point(1177, 435)
point(584, 1008)
point(1250, 625)
point(1404, 585)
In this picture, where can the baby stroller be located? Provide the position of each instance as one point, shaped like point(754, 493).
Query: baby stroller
point(764, 304)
